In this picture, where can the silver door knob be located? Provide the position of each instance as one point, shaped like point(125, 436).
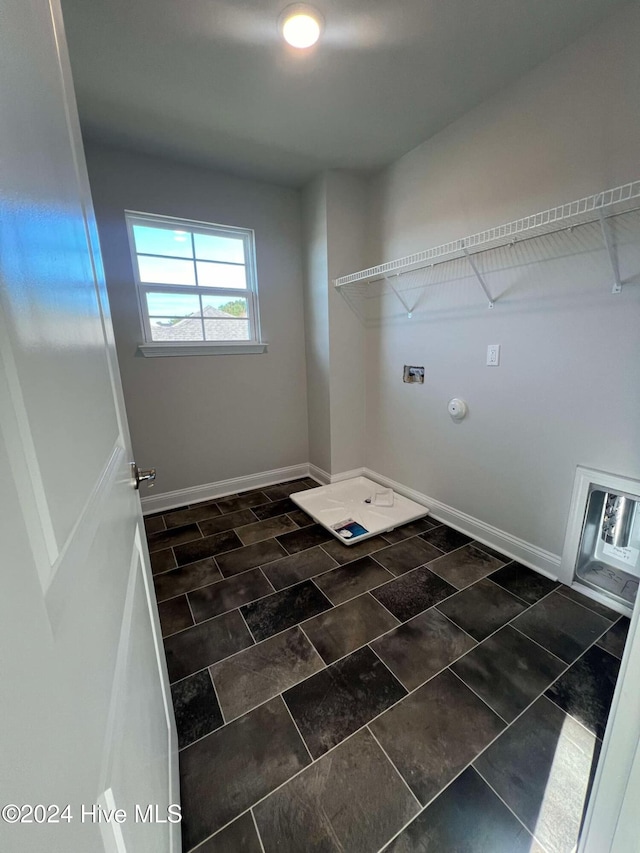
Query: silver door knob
point(138, 476)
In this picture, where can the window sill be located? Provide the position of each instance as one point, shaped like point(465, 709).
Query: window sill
point(164, 350)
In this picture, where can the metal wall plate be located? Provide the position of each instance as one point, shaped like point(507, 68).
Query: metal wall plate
point(413, 374)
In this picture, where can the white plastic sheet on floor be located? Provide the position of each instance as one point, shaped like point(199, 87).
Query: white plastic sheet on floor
point(348, 509)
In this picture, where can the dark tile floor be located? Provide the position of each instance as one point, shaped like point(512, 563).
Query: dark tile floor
point(415, 692)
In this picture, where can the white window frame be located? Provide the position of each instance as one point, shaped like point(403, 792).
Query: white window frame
point(151, 348)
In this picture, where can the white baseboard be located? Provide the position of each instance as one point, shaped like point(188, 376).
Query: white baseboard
point(524, 552)
point(181, 497)
point(530, 555)
point(325, 478)
point(319, 475)
point(518, 549)
point(348, 475)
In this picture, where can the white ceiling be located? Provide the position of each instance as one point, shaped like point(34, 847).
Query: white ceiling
point(210, 81)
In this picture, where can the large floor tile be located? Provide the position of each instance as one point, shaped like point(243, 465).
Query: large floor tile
point(528, 585)
point(274, 509)
point(231, 769)
point(172, 537)
point(352, 579)
point(435, 732)
point(303, 538)
point(406, 555)
point(209, 546)
point(540, 766)
point(445, 538)
point(283, 609)
point(163, 561)
point(300, 518)
point(187, 516)
point(153, 524)
point(560, 625)
point(422, 647)
point(226, 522)
point(349, 626)
point(245, 493)
point(196, 707)
point(503, 558)
point(262, 671)
point(209, 502)
point(175, 615)
point(413, 528)
point(337, 701)
point(342, 553)
point(245, 501)
point(249, 557)
point(482, 608)
point(465, 566)
point(466, 818)
point(352, 800)
point(228, 594)
point(298, 567)
point(329, 806)
point(239, 837)
point(186, 578)
point(267, 529)
point(206, 643)
point(586, 689)
point(616, 637)
point(589, 603)
point(413, 592)
point(309, 483)
point(283, 490)
point(508, 671)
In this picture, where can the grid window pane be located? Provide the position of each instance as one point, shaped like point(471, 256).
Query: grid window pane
point(176, 329)
point(162, 241)
point(221, 275)
point(225, 319)
point(165, 271)
point(172, 304)
point(232, 329)
point(210, 247)
point(232, 306)
point(196, 282)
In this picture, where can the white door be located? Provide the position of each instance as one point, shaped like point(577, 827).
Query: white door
point(85, 710)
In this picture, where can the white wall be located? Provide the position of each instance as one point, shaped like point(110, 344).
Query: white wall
point(203, 419)
point(566, 392)
point(346, 241)
point(335, 219)
point(316, 318)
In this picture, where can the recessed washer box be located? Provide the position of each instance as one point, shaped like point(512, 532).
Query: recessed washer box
point(601, 556)
point(345, 511)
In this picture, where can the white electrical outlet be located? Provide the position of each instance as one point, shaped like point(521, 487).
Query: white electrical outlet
point(493, 355)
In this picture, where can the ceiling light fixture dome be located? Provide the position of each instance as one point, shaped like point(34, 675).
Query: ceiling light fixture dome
point(300, 25)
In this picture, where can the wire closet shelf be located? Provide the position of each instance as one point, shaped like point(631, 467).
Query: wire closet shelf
point(595, 208)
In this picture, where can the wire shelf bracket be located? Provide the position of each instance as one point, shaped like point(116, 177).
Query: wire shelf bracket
point(590, 209)
point(613, 261)
point(408, 308)
point(478, 275)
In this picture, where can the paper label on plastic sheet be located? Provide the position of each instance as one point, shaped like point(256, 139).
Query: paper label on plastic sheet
point(625, 555)
point(383, 498)
point(349, 529)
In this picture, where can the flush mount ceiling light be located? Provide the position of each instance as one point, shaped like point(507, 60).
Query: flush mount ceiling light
point(300, 25)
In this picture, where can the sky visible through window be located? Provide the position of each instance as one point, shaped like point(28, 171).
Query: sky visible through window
point(177, 244)
point(167, 256)
point(196, 282)
point(177, 305)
